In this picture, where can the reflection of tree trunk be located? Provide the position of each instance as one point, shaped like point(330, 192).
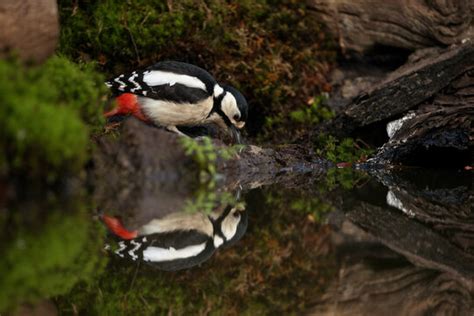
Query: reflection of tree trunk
point(416, 242)
point(406, 290)
point(410, 24)
point(446, 209)
point(426, 216)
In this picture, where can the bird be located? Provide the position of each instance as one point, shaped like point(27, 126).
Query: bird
point(172, 94)
point(179, 240)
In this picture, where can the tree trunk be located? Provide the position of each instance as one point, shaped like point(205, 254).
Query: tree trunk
point(29, 28)
point(436, 89)
point(411, 24)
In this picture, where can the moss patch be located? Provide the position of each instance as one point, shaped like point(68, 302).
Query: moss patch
point(275, 52)
point(46, 115)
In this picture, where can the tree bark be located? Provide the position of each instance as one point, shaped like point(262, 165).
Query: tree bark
point(411, 24)
point(431, 96)
point(29, 28)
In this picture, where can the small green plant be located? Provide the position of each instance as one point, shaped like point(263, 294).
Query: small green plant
point(206, 199)
point(312, 114)
point(205, 155)
point(346, 178)
point(345, 150)
point(300, 120)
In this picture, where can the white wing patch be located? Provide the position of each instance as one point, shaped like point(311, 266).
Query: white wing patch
point(156, 254)
point(158, 77)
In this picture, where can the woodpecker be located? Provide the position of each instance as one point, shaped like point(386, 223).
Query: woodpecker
point(172, 94)
point(179, 240)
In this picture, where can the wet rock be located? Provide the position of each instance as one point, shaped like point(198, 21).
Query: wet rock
point(29, 28)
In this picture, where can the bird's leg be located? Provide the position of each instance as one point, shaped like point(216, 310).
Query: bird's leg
point(174, 129)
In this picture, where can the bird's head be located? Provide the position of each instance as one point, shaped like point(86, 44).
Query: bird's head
point(233, 110)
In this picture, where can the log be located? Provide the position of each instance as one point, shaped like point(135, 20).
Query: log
point(409, 24)
point(444, 123)
point(402, 90)
point(29, 28)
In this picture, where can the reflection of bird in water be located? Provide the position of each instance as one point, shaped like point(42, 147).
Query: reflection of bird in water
point(172, 94)
point(180, 240)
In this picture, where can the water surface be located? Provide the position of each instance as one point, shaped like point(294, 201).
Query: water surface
point(350, 242)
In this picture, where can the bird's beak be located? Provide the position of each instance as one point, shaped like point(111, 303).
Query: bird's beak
point(235, 134)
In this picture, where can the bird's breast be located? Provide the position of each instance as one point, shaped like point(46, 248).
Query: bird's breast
point(169, 113)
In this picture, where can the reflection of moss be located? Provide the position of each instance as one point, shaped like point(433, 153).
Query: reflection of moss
point(43, 113)
point(309, 203)
point(346, 178)
point(278, 267)
point(48, 259)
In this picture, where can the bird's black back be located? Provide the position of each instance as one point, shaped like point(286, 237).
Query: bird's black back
point(187, 69)
point(179, 93)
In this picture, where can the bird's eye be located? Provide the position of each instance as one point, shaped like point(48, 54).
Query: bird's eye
point(236, 117)
point(236, 215)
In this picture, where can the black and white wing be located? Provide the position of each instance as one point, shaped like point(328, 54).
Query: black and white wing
point(171, 251)
point(169, 80)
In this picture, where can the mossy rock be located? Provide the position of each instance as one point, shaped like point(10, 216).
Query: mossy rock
point(47, 115)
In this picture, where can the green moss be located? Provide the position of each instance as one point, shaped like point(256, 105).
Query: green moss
point(121, 31)
point(275, 51)
point(46, 255)
point(205, 155)
point(344, 150)
point(46, 113)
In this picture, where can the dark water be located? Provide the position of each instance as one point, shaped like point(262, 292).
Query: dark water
point(349, 243)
